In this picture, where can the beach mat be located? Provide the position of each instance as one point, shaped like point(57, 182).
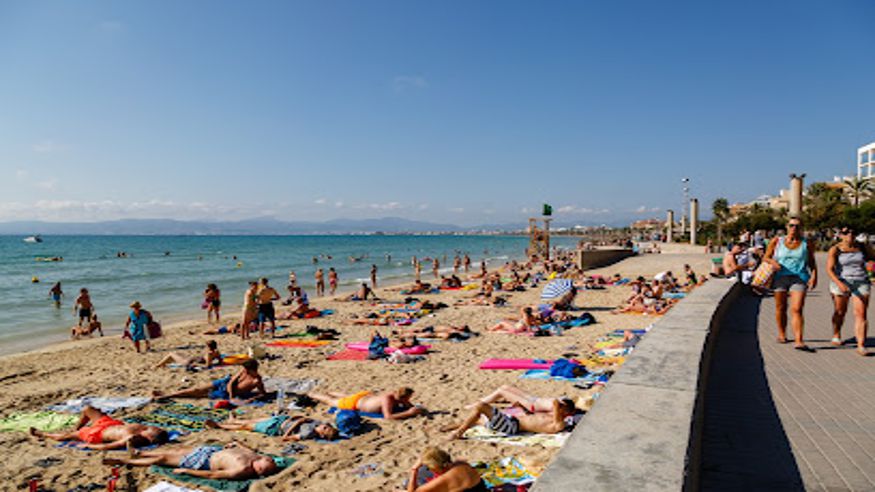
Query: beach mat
point(163, 486)
point(505, 471)
point(44, 421)
point(544, 374)
point(104, 404)
point(513, 364)
point(371, 415)
point(180, 416)
point(481, 433)
point(298, 343)
point(348, 354)
point(220, 485)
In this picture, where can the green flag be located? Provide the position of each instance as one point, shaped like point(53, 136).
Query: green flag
point(548, 210)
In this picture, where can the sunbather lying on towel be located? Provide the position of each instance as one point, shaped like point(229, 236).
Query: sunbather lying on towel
point(232, 462)
point(100, 431)
point(394, 405)
point(443, 332)
point(210, 358)
point(524, 323)
point(518, 398)
point(498, 421)
point(290, 428)
point(246, 385)
point(362, 294)
point(448, 474)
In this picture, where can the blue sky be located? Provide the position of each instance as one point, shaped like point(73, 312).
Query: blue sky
point(463, 112)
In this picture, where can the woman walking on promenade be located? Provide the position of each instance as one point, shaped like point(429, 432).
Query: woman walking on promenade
point(846, 267)
point(796, 274)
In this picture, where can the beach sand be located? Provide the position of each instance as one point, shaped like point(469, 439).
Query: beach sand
point(448, 380)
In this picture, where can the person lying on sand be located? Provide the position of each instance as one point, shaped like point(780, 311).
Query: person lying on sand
point(290, 428)
point(101, 432)
point(402, 340)
point(443, 332)
point(518, 398)
point(523, 324)
point(362, 294)
point(419, 287)
point(451, 282)
point(394, 405)
point(90, 327)
point(495, 420)
point(222, 330)
point(246, 386)
point(232, 462)
point(449, 475)
point(210, 358)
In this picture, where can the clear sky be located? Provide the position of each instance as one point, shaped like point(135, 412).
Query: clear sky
point(466, 112)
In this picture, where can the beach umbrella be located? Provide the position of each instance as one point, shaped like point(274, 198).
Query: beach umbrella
point(557, 288)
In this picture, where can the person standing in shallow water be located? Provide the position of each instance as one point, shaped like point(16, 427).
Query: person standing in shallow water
point(55, 293)
point(373, 276)
point(332, 280)
point(320, 282)
point(796, 274)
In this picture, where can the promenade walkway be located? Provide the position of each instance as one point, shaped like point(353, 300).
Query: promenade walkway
point(780, 419)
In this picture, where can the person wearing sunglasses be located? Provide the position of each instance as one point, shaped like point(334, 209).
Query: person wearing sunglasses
point(796, 274)
point(846, 266)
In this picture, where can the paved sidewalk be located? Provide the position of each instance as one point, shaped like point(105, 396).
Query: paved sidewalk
point(780, 419)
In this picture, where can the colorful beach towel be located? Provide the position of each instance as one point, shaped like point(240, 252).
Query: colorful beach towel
point(506, 471)
point(480, 433)
point(163, 486)
point(348, 354)
point(298, 343)
point(172, 436)
point(290, 385)
point(180, 416)
point(221, 485)
point(44, 421)
point(104, 404)
point(515, 364)
point(544, 374)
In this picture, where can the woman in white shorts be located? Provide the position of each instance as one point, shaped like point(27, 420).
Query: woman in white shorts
point(846, 266)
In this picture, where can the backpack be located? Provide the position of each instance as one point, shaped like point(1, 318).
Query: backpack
point(348, 422)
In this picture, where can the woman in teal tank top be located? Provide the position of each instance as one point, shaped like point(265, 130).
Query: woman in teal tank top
point(797, 273)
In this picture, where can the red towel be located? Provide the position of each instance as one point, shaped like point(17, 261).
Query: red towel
point(347, 354)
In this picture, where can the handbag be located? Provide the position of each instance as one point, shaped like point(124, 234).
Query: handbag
point(762, 276)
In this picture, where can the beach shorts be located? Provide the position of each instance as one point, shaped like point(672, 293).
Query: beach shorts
point(859, 288)
point(350, 402)
point(792, 283)
point(220, 389)
point(504, 423)
point(56, 297)
point(266, 313)
point(272, 426)
point(216, 303)
point(93, 434)
point(199, 459)
point(85, 313)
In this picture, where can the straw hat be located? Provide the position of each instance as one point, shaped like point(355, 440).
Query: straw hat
point(136, 305)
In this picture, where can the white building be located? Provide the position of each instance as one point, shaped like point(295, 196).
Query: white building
point(866, 161)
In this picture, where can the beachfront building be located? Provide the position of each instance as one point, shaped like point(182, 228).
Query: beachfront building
point(866, 161)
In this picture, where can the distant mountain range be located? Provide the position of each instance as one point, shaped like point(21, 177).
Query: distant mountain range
point(258, 226)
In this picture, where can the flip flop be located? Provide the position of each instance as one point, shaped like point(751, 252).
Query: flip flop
point(804, 348)
point(836, 341)
point(782, 340)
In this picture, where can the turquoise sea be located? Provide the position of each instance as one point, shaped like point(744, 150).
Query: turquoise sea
point(171, 286)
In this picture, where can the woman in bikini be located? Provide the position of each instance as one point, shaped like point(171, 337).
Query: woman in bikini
point(448, 474)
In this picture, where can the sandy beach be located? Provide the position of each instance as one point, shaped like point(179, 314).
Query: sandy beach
point(444, 383)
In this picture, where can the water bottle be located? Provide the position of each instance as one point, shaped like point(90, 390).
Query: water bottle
point(280, 401)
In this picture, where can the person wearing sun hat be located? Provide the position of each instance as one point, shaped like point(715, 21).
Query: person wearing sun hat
point(136, 325)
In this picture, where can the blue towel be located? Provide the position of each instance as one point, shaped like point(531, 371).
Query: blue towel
point(373, 415)
point(544, 374)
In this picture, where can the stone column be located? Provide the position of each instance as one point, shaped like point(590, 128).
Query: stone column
point(694, 219)
point(683, 224)
point(669, 226)
point(796, 184)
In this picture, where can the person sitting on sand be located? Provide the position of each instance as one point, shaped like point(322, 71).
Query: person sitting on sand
point(83, 331)
point(449, 475)
point(362, 294)
point(244, 387)
point(394, 405)
point(518, 398)
point(232, 462)
point(102, 432)
point(523, 324)
point(495, 420)
point(290, 428)
point(210, 358)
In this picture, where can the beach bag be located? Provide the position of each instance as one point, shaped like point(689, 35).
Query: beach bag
point(256, 351)
point(377, 348)
point(762, 276)
point(348, 422)
point(153, 328)
point(564, 368)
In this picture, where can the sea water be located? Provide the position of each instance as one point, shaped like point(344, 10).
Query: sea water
point(168, 274)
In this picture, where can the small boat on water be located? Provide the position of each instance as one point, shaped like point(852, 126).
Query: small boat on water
point(33, 239)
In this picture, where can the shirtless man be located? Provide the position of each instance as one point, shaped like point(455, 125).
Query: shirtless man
point(332, 280)
point(244, 387)
point(320, 282)
point(83, 306)
point(394, 405)
point(551, 422)
point(466, 262)
point(435, 268)
point(373, 276)
point(290, 428)
point(232, 462)
point(362, 294)
point(101, 432)
point(518, 398)
point(266, 295)
point(210, 358)
point(93, 325)
point(457, 262)
point(417, 269)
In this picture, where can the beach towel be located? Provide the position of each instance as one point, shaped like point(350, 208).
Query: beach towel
point(505, 471)
point(363, 346)
point(172, 436)
point(163, 486)
point(299, 386)
point(180, 416)
point(370, 415)
point(104, 404)
point(347, 354)
point(44, 421)
point(512, 364)
point(220, 485)
point(480, 433)
point(230, 360)
point(544, 374)
point(298, 343)
point(673, 295)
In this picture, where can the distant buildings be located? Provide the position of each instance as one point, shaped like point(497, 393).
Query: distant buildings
point(866, 161)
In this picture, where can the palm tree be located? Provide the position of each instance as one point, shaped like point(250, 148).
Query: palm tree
point(720, 208)
point(858, 188)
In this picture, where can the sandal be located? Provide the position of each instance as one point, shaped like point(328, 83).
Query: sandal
point(836, 341)
point(804, 348)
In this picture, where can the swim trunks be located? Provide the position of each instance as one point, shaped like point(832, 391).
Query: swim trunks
point(350, 402)
point(199, 459)
point(504, 423)
point(93, 434)
point(85, 313)
point(266, 312)
point(220, 389)
point(272, 426)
